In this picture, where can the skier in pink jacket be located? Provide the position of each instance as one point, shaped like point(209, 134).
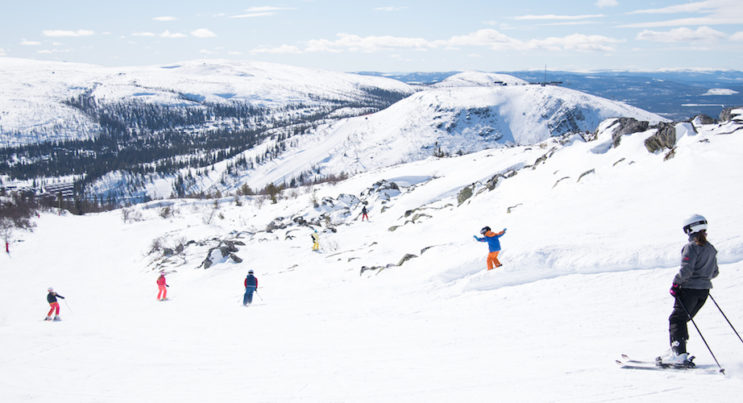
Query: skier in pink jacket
point(162, 293)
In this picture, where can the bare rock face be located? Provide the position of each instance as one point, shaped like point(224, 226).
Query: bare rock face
point(625, 126)
point(664, 138)
point(731, 113)
point(703, 119)
point(223, 252)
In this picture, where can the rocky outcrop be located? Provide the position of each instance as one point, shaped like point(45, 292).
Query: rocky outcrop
point(223, 252)
point(702, 119)
point(664, 138)
point(732, 113)
point(624, 126)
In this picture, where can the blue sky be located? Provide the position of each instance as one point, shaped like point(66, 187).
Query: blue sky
point(392, 36)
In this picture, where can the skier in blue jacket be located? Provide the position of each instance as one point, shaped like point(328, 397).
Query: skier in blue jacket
point(493, 245)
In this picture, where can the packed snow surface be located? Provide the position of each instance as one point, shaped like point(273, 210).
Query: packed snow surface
point(593, 241)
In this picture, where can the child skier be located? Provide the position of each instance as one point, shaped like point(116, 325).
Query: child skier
point(690, 287)
point(315, 241)
point(162, 287)
point(251, 285)
point(51, 298)
point(493, 245)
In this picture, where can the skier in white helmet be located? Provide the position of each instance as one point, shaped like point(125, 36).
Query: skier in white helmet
point(690, 287)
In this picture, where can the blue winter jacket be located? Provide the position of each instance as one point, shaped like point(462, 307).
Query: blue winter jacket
point(492, 239)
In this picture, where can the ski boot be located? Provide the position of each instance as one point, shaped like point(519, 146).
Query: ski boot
point(48, 318)
point(676, 357)
point(57, 318)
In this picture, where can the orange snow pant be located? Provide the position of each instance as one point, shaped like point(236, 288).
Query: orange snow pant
point(54, 307)
point(493, 260)
point(162, 292)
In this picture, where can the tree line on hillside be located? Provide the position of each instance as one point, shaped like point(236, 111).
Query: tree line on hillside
point(141, 139)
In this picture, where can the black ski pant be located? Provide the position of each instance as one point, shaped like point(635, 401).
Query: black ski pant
point(693, 300)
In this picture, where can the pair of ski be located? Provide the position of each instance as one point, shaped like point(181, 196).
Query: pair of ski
point(629, 363)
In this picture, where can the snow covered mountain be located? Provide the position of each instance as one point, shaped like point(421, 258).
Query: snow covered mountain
point(399, 308)
point(36, 103)
point(463, 114)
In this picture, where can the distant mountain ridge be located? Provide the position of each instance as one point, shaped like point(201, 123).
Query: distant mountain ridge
point(676, 95)
point(50, 101)
point(216, 127)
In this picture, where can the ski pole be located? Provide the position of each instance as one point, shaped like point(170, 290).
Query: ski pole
point(722, 370)
point(67, 305)
point(726, 318)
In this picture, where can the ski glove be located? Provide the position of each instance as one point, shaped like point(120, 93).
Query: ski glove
point(167, 285)
point(475, 236)
point(675, 290)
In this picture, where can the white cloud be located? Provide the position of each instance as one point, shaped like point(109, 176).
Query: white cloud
point(367, 44)
point(165, 18)
point(484, 38)
point(719, 91)
point(63, 33)
point(709, 12)
point(606, 3)
point(172, 35)
point(52, 51)
point(206, 52)
point(283, 49)
point(738, 36)
point(552, 17)
point(2, 52)
point(575, 42)
point(679, 8)
point(489, 38)
point(143, 34)
point(265, 11)
point(701, 34)
point(203, 33)
point(30, 43)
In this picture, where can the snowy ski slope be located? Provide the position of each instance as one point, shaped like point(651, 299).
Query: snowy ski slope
point(587, 267)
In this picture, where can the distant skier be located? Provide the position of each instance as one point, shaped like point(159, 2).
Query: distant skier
point(51, 298)
point(162, 287)
point(7, 247)
point(690, 287)
point(251, 285)
point(364, 214)
point(493, 245)
point(315, 241)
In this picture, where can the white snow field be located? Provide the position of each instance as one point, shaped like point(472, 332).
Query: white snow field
point(588, 261)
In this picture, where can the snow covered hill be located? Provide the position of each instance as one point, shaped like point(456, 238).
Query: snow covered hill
point(399, 308)
point(35, 105)
point(260, 123)
point(464, 114)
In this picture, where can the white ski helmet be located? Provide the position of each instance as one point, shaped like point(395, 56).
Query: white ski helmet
point(694, 224)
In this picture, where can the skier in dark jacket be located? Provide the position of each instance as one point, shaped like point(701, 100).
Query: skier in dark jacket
point(251, 285)
point(364, 214)
point(51, 298)
point(690, 287)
